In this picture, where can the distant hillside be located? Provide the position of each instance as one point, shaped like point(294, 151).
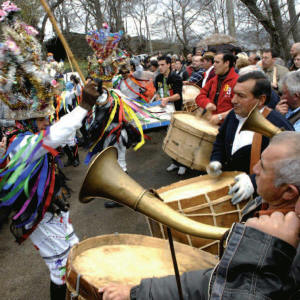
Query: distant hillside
point(81, 49)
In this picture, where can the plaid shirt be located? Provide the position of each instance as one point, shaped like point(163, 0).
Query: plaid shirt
point(197, 77)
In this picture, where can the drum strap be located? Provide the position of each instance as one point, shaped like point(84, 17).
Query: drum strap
point(256, 144)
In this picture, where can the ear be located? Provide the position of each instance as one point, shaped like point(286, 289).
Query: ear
point(290, 193)
point(262, 100)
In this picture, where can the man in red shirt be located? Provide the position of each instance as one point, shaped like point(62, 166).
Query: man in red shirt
point(217, 93)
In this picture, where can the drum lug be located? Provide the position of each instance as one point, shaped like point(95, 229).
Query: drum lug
point(76, 294)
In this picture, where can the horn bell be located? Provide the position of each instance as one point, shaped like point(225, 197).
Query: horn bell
point(258, 123)
point(106, 179)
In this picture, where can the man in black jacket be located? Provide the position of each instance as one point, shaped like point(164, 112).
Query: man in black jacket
point(239, 151)
point(261, 260)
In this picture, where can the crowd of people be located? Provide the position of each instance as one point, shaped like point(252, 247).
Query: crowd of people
point(261, 259)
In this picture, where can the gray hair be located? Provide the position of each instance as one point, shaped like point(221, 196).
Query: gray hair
point(292, 82)
point(249, 69)
point(287, 171)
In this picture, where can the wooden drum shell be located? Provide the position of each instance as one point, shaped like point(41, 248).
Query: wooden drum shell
point(189, 140)
point(210, 205)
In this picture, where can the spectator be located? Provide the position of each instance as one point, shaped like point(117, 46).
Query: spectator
point(181, 71)
point(154, 67)
point(208, 65)
point(294, 50)
point(273, 71)
point(198, 70)
point(289, 104)
point(253, 59)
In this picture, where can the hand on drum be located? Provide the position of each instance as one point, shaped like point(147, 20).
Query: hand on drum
point(116, 292)
point(210, 107)
point(164, 102)
point(242, 190)
point(215, 120)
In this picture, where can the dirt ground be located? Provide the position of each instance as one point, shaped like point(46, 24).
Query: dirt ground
point(23, 273)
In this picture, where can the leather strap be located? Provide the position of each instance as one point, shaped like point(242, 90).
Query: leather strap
point(256, 144)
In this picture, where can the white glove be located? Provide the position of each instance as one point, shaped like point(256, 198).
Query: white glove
point(214, 168)
point(242, 190)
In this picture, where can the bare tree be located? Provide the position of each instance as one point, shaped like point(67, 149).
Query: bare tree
point(230, 17)
point(271, 15)
point(183, 14)
point(293, 20)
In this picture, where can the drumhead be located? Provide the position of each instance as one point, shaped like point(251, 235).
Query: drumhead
point(127, 258)
point(197, 123)
point(189, 92)
point(191, 188)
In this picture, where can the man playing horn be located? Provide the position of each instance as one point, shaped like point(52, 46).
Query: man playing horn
point(240, 150)
point(261, 260)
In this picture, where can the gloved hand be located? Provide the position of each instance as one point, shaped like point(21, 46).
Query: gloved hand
point(90, 94)
point(214, 168)
point(242, 190)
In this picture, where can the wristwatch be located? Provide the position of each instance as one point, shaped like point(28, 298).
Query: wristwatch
point(220, 117)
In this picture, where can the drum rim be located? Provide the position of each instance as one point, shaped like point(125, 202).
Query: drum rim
point(88, 289)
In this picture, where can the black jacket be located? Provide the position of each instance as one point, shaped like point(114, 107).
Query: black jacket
point(240, 160)
point(255, 266)
point(174, 85)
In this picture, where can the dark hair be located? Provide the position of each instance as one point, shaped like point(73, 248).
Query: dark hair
point(74, 79)
point(166, 58)
point(208, 58)
point(178, 59)
point(257, 58)
point(273, 52)
point(154, 63)
point(228, 56)
point(262, 84)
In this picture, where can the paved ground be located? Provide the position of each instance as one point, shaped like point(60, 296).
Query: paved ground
point(24, 276)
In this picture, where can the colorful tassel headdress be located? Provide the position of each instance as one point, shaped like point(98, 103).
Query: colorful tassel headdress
point(24, 87)
point(104, 63)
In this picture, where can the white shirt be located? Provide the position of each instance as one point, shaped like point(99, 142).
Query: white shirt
point(207, 72)
point(60, 132)
point(242, 138)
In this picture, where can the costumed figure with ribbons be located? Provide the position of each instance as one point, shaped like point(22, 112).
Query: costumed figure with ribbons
point(65, 103)
point(31, 184)
point(112, 121)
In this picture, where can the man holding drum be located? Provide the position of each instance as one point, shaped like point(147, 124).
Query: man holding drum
point(239, 151)
point(262, 257)
point(169, 90)
point(217, 93)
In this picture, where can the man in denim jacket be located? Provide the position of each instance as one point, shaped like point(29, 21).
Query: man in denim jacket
point(261, 260)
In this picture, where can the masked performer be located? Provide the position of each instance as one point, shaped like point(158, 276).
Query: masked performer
point(111, 120)
point(31, 184)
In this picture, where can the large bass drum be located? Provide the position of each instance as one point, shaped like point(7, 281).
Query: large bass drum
point(204, 199)
point(126, 259)
point(189, 140)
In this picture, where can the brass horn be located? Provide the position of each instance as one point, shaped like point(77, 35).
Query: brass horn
point(258, 123)
point(105, 179)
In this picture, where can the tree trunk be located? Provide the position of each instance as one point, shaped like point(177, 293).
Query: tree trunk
point(42, 30)
point(293, 20)
point(230, 18)
point(285, 47)
point(267, 23)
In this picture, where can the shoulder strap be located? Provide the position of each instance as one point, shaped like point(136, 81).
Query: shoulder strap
point(294, 118)
point(256, 144)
